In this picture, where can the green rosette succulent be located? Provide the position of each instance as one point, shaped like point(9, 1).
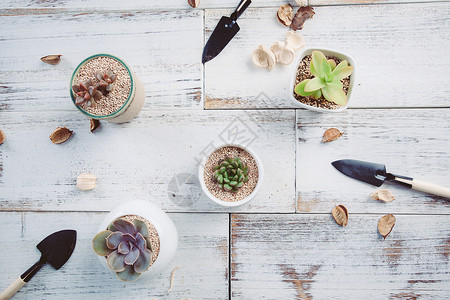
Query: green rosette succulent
point(127, 248)
point(327, 79)
point(231, 174)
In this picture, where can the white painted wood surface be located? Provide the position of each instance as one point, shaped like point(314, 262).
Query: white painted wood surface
point(311, 257)
point(83, 276)
point(137, 160)
point(398, 49)
point(410, 142)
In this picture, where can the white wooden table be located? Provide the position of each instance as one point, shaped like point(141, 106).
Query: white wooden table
point(284, 243)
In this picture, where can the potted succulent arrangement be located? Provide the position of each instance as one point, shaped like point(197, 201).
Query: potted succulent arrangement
point(136, 239)
point(323, 80)
point(231, 175)
point(104, 87)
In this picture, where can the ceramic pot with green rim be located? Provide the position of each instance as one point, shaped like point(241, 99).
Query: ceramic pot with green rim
point(133, 101)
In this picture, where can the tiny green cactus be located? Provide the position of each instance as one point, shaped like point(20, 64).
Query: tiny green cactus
point(231, 174)
point(126, 246)
point(106, 81)
point(86, 92)
point(327, 79)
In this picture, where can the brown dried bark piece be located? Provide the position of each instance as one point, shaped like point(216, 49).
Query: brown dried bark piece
point(331, 134)
point(386, 224)
point(340, 215)
point(52, 59)
point(194, 3)
point(94, 124)
point(2, 137)
point(285, 14)
point(302, 14)
point(60, 135)
point(383, 195)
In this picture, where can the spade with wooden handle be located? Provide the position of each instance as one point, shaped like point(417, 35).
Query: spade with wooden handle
point(56, 250)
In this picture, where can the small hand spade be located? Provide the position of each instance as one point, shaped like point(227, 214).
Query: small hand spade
point(56, 250)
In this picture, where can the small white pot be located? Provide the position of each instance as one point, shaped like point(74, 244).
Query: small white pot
point(339, 55)
point(235, 203)
point(167, 232)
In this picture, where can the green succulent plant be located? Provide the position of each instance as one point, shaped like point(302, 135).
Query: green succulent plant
point(231, 174)
point(126, 246)
point(106, 81)
point(327, 79)
point(86, 92)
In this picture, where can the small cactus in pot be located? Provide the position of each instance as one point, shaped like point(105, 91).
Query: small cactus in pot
point(231, 174)
point(126, 246)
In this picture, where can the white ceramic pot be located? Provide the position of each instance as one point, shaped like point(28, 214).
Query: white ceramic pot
point(327, 52)
point(167, 232)
point(235, 203)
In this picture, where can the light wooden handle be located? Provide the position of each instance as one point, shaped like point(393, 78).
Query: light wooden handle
point(12, 289)
point(431, 188)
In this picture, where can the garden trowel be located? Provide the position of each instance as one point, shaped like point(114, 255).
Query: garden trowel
point(56, 250)
point(223, 33)
point(376, 174)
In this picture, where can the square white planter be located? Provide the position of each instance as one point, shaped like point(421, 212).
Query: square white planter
point(326, 52)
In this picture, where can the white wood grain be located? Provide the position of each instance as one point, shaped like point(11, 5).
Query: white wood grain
point(410, 142)
point(398, 50)
point(162, 48)
point(311, 257)
point(83, 276)
point(137, 160)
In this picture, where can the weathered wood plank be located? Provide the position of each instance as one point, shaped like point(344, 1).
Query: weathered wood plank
point(200, 235)
point(311, 257)
point(383, 39)
point(173, 4)
point(139, 159)
point(410, 142)
point(162, 48)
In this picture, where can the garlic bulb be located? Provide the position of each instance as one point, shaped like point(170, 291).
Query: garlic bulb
point(283, 52)
point(295, 40)
point(86, 182)
point(263, 57)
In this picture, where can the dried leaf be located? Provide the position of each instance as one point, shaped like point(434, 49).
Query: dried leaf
point(94, 124)
point(2, 137)
point(383, 195)
point(386, 224)
point(285, 14)
point(52, 59)
point(340, 215)
point(302, 14)
point(194, 3)
point(331, 134)
point(60, 135)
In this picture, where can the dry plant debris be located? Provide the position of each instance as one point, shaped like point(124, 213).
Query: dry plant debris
point(171, 278)
point(302, 2)
point(264, 58)
point(340, 215)
point(86, 182)
point(295, 40)
point(285, 14)
point(284, 53)
point(94, 124)
point(331, 134)
point(2, 137)
point(302, 14)
point(52, 59)
point(386, 224)
point(194, 3)
point(60, 135)
point(383, 195)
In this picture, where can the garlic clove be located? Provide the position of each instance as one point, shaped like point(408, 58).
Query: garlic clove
point(295, 40)
point(264, 58)
point(283, 52)
point(86, 182)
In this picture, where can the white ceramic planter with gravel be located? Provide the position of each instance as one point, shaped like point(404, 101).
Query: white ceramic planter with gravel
point(167, 232)
point(133, 104)
point(227, 203)
point(329, 53)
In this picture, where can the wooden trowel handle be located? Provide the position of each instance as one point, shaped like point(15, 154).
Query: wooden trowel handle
point(423, 186)
point(12, 289)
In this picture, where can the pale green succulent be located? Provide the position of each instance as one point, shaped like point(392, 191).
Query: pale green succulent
point(231, 174)
point(327, 79)
point(126, 246)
